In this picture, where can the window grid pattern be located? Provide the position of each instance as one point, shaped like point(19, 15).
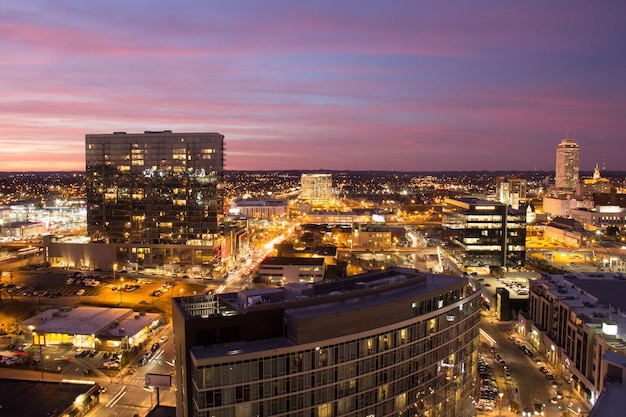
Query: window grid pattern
point(429, 364)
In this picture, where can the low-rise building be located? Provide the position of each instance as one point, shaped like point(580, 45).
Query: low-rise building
point(260, 208)
point(20, 230)
point(601, 217)
point(283, 270)
point(372, 236)
point(100, 328)
point(563, 206)
point(338, 217)
point(566, 231)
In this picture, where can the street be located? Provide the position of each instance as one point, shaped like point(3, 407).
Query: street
point(527, 385)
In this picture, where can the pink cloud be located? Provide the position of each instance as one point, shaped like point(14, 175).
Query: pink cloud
point(324, 84)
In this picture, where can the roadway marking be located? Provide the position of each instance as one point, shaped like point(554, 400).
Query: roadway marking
point(116, 398)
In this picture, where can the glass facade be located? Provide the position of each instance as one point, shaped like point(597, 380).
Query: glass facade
point(425, 366)
point(154, 188)
point(482, 233)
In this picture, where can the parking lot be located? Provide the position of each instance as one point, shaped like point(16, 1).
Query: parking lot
point(54, 286)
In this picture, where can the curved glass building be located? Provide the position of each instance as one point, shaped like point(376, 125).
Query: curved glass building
point(387, 343)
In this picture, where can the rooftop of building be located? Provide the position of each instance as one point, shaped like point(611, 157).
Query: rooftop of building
point(388, 289)
point(337, 213)
point(129, 325)
point(375, 228)
point(610, 401)
point(80, 320)
point(286, 260)
point(162, 411)
point(305, 301)
point(565, 223)
point(152, 132)
point(291, 249)
point(469, 202)
point(253, 202)
point(36, 398)
point(239, 348)
point(596, 298)
point(87, 320)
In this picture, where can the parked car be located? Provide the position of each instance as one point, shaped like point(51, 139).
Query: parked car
point(111, 365)
point(163, 339)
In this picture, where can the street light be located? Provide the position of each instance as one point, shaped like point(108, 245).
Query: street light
point(121, 289)
point(114, 270)
point(500, 394)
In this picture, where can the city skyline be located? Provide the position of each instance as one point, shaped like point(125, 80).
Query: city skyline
point(319, 86)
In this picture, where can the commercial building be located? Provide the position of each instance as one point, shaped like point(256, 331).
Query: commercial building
point(566, 231)
point(338, 217)
point(482, 233)
point(155, 187)
point(563, 206)
point(284, 270)
point(386, 343)
point(21, 230)
point(260, 208)
point(316, 188)
point(567, 153)
point(601, 217)
point(578, 322)
point(372, 236)
point(155, 196)
point(100, 328)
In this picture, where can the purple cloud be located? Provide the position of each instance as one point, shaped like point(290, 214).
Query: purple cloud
point(319, 85)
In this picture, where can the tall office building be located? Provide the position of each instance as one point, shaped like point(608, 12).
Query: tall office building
point(386, 343)
point(316, 188)
point(154, 188)
point(567, 165)
point(482, 233)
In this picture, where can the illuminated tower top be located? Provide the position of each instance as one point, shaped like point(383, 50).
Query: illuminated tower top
point(567, 164)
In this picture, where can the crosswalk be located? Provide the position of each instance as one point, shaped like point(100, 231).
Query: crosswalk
point(138, 379)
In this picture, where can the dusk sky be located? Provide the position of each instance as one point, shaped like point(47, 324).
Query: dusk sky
point(354, 85)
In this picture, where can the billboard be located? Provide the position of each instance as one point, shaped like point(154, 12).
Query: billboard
point(158, 380)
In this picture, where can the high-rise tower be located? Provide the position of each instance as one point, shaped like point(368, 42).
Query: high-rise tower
point(316, 188)
point(155, 187)
point(567, 165)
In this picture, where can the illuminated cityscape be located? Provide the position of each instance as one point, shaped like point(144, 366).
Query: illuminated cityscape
point(420, 224)
point(320, 209)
